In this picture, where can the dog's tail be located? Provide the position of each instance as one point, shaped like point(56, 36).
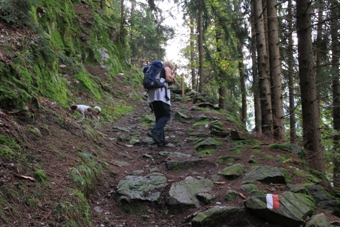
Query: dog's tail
point(98, 109)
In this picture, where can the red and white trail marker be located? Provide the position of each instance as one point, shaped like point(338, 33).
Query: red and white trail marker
point(273, 201)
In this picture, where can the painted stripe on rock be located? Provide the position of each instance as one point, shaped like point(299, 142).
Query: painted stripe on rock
point(273, 201)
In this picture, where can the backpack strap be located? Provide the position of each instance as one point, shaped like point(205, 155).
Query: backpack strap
point(162, 73)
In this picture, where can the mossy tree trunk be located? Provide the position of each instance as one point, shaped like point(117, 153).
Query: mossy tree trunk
point(310, 108)
point(275, 71)
point(336, 93)
point(200, 47)
point(192, 53)
point(257, 103)
point(291, 79)
point(263, 70)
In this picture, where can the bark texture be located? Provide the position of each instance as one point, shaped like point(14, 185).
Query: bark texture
point(263, 70)
point(310, 108)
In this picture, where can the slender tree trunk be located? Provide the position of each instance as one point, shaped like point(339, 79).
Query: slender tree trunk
point(192, 54)
point(318, 44)
point(336, 93)
point(242, 85)
point(222, 90)
point(275, 69)
point(291, 81)
point(257, 103)
point(264, 80)
point(310, 108)
point(256, 90)
point(122, 21)
point(200, 48)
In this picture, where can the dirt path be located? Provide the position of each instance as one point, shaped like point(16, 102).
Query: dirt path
point(141, 159)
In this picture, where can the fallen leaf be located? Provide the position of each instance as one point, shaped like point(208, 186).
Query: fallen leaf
point(25, 177)
point(219, 182)
point(241, 195)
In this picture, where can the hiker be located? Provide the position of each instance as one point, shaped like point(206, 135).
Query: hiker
point(159, 101)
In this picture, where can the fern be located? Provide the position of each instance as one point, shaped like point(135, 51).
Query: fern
point(16, 11)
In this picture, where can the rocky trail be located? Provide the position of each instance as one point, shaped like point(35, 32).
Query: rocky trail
point(171, 186)
point(212, 173)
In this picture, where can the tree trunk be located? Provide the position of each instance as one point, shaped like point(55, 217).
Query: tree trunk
point(318, 49)
point(291, 81)
point(264, 82)
point(257, 103)
point(275, 71)
point(222, 90)
point(336, 94)
point(242, 85)
point(200, 48)
point(122, 21)
point(310, 108)
point(192, 54)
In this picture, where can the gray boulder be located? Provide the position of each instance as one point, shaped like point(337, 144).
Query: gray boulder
point(318, 220)
point(184, 192)
point(324, 200)
point(232, 172)
point(267, 174)
point(292, 210)
point(142, 187)
point(218, 215)
point(207, 144)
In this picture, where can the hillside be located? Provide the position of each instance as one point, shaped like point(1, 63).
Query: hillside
point(56, 171)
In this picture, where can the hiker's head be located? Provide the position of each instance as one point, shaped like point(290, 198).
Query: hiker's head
point(170, 65)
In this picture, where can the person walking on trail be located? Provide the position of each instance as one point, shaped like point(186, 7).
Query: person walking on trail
point(159, 101)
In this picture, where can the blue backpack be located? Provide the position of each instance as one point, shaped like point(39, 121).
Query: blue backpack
point(152, 75)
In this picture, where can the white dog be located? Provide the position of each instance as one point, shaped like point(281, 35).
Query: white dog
point(87, 111)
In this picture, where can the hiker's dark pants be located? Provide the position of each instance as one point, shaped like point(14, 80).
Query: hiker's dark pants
point(162, 114)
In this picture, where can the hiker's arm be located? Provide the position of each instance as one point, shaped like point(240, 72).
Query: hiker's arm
point(169, 75)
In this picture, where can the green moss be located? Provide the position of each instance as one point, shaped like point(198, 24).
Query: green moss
point(40, 175)
point(319, 175)
point(291, 148)
point(35, 131)
point(86, 84)
point(7, 210)
point(10, 192)
point(205, 147)
point(122, 110)
point(75, 209)
point(239, 145)
point(311, 201)
point(309, 177)
point(226, 160)
point(288, 178)
point(205, 152)
point(201, 122)
point(284, 159)
point(8, 147)
point(87, 174)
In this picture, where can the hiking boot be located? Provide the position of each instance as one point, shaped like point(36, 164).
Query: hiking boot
point(163, 143)
point(154, 136)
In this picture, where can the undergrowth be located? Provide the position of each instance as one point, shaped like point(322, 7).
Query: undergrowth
point(87, 174)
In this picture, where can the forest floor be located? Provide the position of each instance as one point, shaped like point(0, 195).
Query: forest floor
point(61, 141)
